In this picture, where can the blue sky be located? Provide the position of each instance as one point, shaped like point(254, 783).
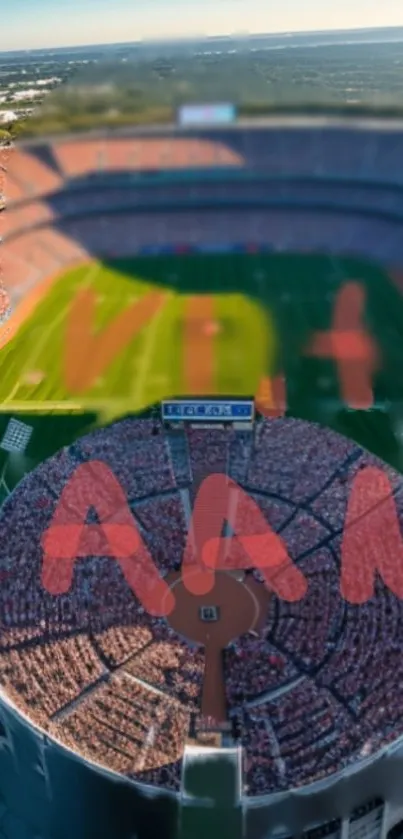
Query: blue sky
point(28, 24)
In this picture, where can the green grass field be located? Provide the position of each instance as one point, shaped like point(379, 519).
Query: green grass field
point(261, 311)
point(152, 365)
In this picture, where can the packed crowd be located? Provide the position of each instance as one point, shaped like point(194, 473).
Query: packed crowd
point(92, 200)
point(48, 226)
point(74, 661)
point(36, 253)
point(282, 750)
point(273, 151)
point(129, 729)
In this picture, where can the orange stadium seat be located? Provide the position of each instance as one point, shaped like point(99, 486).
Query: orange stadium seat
point(78, 158)
point(122, 154)
point(28, 248)
point(35, 178)
point(36, 255)
point(25, 217)
point(16, 273)
point(13, 190)
point(61, 247)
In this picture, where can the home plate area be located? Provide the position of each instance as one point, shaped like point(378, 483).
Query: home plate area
point(236, 604)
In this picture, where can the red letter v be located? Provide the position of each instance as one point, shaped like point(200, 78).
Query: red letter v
point(100, 350)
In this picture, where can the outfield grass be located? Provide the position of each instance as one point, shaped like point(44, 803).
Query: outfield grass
point(224, 321)
point(164, 358)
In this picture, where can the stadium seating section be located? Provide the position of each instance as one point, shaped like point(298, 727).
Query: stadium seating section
point(98, 673)
point(69, 201)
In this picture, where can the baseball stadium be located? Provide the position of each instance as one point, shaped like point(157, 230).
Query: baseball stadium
point(155, 281)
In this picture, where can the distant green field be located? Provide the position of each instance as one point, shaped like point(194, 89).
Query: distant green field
point(251, 316)
point(152, 365)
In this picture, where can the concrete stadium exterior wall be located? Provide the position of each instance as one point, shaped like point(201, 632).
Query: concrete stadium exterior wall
point(47, 792)
point(293, 813)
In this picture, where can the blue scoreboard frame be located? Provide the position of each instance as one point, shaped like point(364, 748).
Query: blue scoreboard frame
point(207, 411)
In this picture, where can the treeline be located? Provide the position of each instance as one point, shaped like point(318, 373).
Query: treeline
point(340, 79)
point(47, 125)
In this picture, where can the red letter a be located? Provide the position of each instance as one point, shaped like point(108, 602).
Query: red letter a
point(68, 537)
point(372, 539)
point(256, 547)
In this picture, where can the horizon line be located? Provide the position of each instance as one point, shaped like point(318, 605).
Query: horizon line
point(177, 39)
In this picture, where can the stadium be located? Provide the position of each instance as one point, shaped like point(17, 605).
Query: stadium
point(184, 247)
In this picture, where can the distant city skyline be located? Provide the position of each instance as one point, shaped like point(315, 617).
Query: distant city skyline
point(35, 24)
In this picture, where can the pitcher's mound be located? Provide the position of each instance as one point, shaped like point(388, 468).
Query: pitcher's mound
point(240, 603)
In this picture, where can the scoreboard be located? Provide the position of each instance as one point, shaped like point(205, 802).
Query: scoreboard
point(219, 113)
point(205, 411)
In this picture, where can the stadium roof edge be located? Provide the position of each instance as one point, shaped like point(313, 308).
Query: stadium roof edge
point(354, 122)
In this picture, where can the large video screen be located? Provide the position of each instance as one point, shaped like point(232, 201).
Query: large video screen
point(217, 114)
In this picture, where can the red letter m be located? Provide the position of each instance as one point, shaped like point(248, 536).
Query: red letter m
point(256, 546)
point(372, 541)
point(93, 485)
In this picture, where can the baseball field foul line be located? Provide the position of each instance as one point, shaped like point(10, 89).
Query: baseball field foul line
point(28, 305)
